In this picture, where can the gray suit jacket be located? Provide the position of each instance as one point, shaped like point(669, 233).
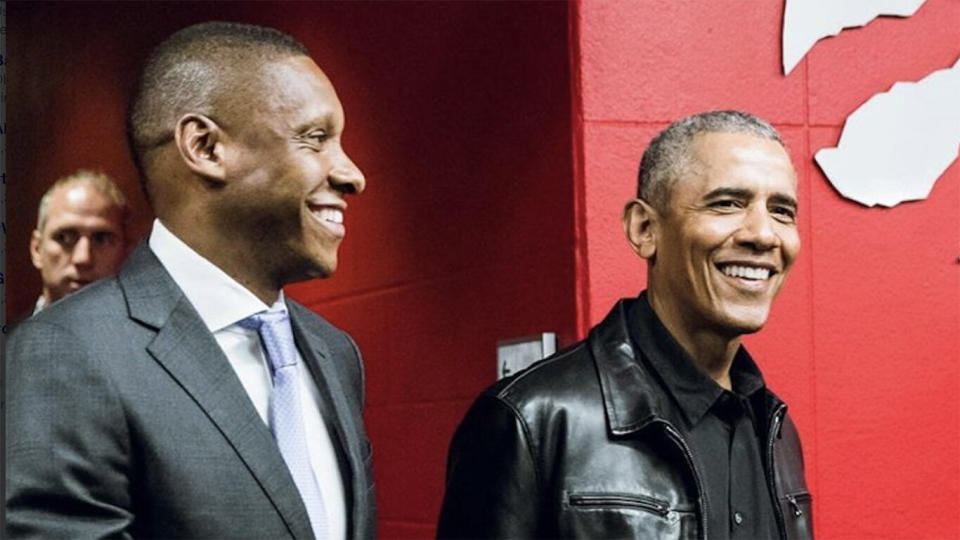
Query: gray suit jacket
point(124, 418)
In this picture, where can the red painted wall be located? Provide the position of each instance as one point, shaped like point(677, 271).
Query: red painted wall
point(864, 342)
point(460, 116)
point(458, 113)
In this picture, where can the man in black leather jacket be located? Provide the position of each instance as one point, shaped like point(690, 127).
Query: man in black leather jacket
point(659, 424)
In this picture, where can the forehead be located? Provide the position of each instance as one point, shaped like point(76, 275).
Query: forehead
point(739, 161)
point(295, 91)
point(81, 205)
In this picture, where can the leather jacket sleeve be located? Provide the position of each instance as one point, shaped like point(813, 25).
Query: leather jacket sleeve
point(492, 487)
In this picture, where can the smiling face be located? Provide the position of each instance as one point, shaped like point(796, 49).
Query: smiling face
point(81, 240)
point(728, 237)
point(289, 174)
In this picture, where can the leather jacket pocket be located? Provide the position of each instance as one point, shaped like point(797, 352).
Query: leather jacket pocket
point(626, 515)
point(798, 514)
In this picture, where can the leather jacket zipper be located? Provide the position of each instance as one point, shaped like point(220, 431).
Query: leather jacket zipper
point(776, 418)
point(795, 504)
point(688, 455)
point(651, 504)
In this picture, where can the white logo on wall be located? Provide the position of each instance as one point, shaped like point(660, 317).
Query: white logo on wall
point(896, 145)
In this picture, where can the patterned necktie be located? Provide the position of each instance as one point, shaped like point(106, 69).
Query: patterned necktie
point(286, 419)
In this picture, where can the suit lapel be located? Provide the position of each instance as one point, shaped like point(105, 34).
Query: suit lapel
point(189, 353)
point(316, 353)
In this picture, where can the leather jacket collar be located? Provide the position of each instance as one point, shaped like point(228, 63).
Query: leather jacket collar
point(631, 396)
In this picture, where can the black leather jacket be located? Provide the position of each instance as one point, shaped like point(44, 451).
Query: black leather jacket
point(584, 444)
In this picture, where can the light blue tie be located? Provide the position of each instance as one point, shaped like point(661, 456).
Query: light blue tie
point(286, 419)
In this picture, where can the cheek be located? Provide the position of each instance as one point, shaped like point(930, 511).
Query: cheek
point(52, 252)
point(111, 255)
point(311, 165)
point(700, 243)
point(790, 241)
point(294, 181)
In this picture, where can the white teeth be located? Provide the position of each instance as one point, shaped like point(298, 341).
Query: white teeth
point(334, 215)
point(748, 272)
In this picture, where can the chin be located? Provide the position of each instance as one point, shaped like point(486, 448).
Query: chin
point(306, 268)
point(325, 272)
point(317, 271)
point(323, 267)
point(320, 259)
point(742, 320)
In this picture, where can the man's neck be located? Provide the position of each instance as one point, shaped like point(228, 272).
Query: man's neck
point(712, 353)
point(237, 262)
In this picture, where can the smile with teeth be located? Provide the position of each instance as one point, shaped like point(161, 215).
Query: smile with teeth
point(746, 272)
point(330, 218)
point(333, 215)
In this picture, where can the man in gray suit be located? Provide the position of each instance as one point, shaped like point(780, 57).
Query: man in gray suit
point(187, 397)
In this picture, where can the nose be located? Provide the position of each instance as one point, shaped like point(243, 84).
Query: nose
point(757, 230)
point(82, 255)
point(345, 176)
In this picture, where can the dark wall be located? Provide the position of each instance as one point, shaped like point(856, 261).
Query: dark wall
point(459, 115)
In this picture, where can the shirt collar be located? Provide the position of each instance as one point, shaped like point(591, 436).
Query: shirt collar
point(692, 390)
point(39, 305)
point(218, 298)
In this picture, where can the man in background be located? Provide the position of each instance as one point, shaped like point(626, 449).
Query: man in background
point(80, 235)
point(659, 424)
point(188, 397)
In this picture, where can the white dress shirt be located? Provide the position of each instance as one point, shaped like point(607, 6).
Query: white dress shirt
point(39, 306)
point(221, 303)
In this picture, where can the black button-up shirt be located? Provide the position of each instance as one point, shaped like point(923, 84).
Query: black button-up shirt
point(720, 429)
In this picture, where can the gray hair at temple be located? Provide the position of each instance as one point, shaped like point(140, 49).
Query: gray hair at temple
point(98, 180)
point(668, 157)
point(204, 69)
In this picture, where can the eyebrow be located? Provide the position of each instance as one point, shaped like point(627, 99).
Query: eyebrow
point(740, 193)
point(785, 200)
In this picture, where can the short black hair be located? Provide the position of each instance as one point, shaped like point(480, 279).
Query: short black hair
point(197, 69)
point(668, 155)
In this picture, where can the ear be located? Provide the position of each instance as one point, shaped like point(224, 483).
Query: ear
point(640, 223)
point(199, 141)
point(35, 256)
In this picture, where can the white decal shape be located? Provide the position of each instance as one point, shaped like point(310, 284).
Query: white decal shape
point(807, 21)
point(896, 145)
